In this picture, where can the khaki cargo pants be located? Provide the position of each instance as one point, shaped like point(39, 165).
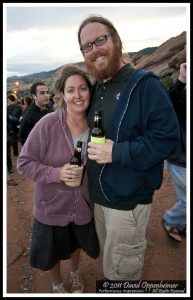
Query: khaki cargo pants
point(122, 237)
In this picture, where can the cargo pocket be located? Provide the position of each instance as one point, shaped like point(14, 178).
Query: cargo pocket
point(128, 260)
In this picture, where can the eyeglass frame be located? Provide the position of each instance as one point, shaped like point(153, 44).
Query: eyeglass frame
point(106, 36)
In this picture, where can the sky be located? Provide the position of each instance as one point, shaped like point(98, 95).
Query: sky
point(43, 37)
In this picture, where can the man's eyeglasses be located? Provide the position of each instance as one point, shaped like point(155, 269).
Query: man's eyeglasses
point(98, 42)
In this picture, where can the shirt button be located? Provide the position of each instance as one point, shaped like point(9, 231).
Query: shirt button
point(101, 98)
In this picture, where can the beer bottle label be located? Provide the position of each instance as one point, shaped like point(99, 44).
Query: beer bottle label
point(99, 140)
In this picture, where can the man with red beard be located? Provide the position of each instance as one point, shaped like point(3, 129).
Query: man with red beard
point(141, 131)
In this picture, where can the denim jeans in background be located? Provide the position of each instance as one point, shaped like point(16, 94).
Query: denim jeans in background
point(177, 214)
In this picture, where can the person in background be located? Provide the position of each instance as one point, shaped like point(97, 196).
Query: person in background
point(63, 215)
point(14, 111)
point(27, 104)
point(57, 100)
point(174, 219)
point(9, 158)
point(141, 131)
point(51, 100)
point(38, 109)
point(11, 120)
point(10, 181)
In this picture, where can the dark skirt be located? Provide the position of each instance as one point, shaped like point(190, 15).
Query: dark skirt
point(50, 244)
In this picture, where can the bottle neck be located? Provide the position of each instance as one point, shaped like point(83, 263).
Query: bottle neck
point(76, 158)
point(97, 135)
point(97, 122)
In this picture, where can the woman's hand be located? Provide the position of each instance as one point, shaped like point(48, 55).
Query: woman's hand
point(68, 173)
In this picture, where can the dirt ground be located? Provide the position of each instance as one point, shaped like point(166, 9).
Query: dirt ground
point(164, 258)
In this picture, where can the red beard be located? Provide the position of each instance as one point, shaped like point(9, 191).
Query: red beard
point(111, 69)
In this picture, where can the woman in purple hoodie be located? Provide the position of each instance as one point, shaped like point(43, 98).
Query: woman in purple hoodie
point(63, 215)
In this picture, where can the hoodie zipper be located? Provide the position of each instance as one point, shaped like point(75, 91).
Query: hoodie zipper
point(117, 137)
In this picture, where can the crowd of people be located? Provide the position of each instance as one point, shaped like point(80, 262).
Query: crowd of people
point(21, 118)
point(144, 125)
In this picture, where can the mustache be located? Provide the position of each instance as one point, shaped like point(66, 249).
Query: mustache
point(99, 53)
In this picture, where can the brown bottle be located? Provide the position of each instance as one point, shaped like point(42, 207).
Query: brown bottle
point(98, 135)
point(76, 158)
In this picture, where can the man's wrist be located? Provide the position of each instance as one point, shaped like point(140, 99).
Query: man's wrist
point(182, 79)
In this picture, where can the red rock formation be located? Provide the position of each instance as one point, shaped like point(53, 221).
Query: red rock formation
point(166, 59)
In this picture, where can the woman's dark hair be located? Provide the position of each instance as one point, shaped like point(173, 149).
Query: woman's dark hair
point(12, 98)
point(28, 100)
point(67, 71)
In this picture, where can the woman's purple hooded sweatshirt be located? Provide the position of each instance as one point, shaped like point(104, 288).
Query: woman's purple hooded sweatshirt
point(48, 147)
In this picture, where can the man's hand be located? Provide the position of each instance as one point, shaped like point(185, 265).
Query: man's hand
point(102, 153)
point(182, 76)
